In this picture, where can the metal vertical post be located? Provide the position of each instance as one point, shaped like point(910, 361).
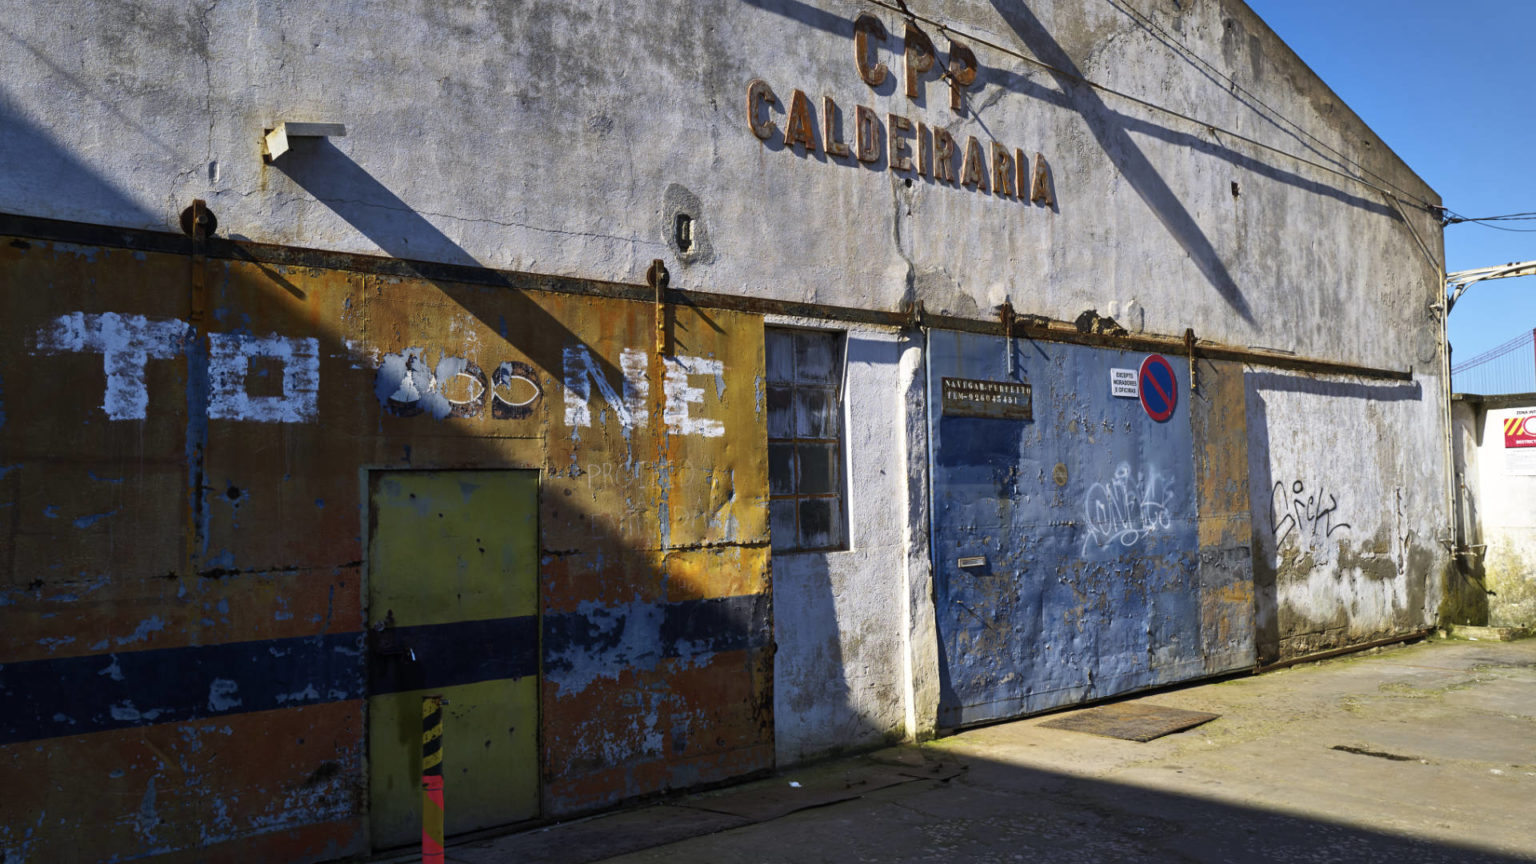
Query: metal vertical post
point(431, 780)
point(1005, 312)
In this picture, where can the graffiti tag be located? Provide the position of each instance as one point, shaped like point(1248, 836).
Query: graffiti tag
point(1127, 508)
point(1307, 513)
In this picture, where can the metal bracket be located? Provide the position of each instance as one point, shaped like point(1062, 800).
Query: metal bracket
point(915, 315)
point(657, 277)
point(275, 141)
point(1189, 348)
point(196, 220)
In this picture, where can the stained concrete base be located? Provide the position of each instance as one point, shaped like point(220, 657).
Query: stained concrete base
point(1424, 753)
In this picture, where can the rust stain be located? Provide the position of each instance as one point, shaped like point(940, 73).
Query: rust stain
point(201, 523)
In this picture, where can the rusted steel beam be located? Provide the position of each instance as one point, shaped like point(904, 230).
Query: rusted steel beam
point(1029, 327)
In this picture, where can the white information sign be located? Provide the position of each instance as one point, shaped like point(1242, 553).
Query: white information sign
point(1122, 383)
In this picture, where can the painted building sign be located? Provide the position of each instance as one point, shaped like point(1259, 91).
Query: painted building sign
point(898, 142)
point(405, 384)
point(1003, 400)
point(1520, 442)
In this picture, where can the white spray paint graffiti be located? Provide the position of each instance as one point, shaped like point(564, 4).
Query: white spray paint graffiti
point(229, 366)
point(126, 343)
point(582, 372)
point(1127, 508)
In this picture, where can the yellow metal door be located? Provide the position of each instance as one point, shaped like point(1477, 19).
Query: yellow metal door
point(453, 610)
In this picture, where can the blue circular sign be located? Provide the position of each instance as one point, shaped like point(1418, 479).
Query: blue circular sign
point(1158, 389)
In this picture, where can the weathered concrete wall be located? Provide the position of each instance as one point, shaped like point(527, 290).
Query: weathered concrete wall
point(839, 674)
point(1498, 508)
point(215, 494)
point(1347, 531)
point(559, 138)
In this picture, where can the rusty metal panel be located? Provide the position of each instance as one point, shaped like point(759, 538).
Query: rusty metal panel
point(183, 534)
point(1084, 521)
point(1218, 412)
point(655, 545)
point(260, 786)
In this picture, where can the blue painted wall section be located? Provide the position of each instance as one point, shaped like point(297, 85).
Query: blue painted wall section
point(1086, 518)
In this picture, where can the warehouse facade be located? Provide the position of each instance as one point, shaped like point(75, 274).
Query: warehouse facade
point(680, 392)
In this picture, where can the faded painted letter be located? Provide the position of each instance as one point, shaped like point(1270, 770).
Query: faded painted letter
point(581, 372)
point(679, 395)
point(125, 343)
point(229, 367)
point(406, 386)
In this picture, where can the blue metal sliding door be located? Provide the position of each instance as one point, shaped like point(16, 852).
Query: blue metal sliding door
point(1065, 546)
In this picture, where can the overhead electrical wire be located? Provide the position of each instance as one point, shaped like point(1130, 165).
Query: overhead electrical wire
point(1448, 217)
point(902, 9)
point(1275, 114)
point(1453, 218)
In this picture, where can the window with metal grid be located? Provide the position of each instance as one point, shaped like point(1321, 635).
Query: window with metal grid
point(805, 439)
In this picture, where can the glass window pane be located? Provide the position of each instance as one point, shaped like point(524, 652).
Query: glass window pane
point(779, 355)
point(781, 412)
point(781, 524)
point(818, 469)
point(781, 469)
point(816, 357)
point(820, 523)
point(815, 413)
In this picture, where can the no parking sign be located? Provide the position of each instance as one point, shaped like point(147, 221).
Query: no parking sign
point(1158, 389)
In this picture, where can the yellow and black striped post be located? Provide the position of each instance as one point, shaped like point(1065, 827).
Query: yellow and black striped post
point(431, 780)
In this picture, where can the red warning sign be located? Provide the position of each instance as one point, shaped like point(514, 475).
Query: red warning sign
point(1520, 430)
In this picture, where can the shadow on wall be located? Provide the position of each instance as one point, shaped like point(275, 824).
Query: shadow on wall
point(839, 661)
point(41, 176)
point(816, 714)
point(335, 180)
point(1113, 131)
point(824, 715)
point(1114, 138)
point(286, 555)
point(1280, 505)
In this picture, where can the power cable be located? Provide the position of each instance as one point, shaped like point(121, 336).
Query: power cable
point(1034, 61)
point(1189, 53)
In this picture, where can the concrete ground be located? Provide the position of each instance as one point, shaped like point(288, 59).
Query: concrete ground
point(1423, 753)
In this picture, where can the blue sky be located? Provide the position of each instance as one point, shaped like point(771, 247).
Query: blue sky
point(1451, 88)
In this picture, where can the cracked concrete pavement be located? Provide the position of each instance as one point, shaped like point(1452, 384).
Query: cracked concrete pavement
point(1423, 753)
